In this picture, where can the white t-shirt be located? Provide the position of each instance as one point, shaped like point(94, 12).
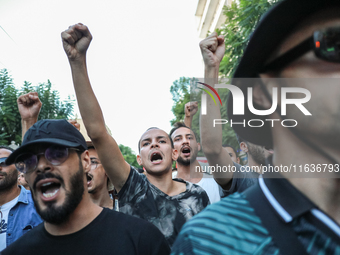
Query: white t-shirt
point(212, 188)
point(4, 209)
point(208, 183)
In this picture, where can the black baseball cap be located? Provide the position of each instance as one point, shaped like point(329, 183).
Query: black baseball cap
point(59, 132)
point(273, 28)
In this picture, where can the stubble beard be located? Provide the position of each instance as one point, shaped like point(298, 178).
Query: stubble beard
point(60, 214)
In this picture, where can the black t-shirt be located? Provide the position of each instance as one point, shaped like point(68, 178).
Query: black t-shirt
point(140, 198)
point(109, 233)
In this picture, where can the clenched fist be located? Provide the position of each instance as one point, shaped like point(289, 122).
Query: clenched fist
point(76, 40)
point(29, 106)
point(213, 49)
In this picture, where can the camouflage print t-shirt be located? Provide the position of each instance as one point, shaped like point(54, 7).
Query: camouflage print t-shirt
point(140, 198)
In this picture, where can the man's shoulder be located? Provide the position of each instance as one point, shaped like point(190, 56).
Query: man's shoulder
point(127, 222)
point(232, 214)
point(27, 243)
point(230, 224)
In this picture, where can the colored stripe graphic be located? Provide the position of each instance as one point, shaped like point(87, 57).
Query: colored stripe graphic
point(211, 88)
point(208, 92)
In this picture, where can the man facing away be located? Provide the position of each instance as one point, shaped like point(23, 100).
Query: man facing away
point(17, 211)
point(54, 157)
point(155, 197)
point(296, 215)
point(22, 181)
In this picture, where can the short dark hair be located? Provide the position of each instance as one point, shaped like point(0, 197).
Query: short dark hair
point(230, 146)
point(178, 125)
point(172, 144)
point(6, 147)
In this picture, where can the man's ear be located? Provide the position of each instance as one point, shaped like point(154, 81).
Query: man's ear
point(86, 161)
point(199, 146)
point(139, 160)
point(244, 147)
point(174, 154)
point(238, 160)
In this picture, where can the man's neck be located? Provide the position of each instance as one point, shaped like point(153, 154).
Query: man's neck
point(252, 162)
point(166, 184)
point(324, 192)
point(9, 194)
point(102, 198)
point(83, 215)
point(190, 173)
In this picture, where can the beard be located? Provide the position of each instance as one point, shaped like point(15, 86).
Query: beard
point(187, 161)
point(9, 181)
point(257, 153)
point(60, 214)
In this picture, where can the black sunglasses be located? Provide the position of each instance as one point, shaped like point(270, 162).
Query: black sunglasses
point(325, 43)
point(55, 154)
point(3, 162)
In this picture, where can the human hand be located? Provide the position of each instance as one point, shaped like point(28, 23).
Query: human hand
point(76, 40)
point(29, 106)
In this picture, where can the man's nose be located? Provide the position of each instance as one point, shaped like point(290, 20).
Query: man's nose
point(43, 164)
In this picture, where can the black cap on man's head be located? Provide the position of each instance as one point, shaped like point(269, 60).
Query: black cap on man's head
point(58, 132)
point(273, 28)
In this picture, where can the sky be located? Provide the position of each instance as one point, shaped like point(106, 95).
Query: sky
point(139, 49)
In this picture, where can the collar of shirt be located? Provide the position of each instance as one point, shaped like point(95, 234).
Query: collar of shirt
point(290, 203)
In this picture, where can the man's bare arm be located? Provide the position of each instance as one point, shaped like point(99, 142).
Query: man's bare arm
point(76, 41)
point(213, 49)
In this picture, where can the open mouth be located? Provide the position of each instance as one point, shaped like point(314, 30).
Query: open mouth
point(89, 178)
point(186, 151)
point(49, 189)
point(156, 157)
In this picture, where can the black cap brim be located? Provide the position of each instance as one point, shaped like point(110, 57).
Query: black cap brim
point(273, 28)
point(25, 148)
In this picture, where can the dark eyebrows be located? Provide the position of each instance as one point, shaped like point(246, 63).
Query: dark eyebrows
point(177, 136)
point(158, 138)
point(161, 137)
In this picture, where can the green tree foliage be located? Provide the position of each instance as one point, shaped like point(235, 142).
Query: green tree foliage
point(180, 91)
point(10, 121)
point(183, 91)
point(129, 155)
point(241, 19)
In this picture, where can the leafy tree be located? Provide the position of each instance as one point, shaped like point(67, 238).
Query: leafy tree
point(183, 91)
point(241, 19)
point(10, 121)
point(180, 91)
point(129, 155)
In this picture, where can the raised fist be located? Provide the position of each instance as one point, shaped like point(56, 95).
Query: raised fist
point(213, 49)
point(29, 106)
point(190, 109)
point(76, 40)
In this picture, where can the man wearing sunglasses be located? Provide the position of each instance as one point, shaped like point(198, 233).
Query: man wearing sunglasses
point(17, 212)
point(286, 212)
point(55, 160)
point(29, 106)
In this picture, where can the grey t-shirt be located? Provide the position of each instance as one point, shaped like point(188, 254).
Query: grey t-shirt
point(241, 181)
point(140, 198)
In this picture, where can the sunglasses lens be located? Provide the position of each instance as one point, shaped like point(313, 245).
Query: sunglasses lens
point(327, 44)
point(26, 162)
point(56, 155)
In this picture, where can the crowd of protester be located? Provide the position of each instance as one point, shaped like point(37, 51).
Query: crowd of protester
point(63, 194)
